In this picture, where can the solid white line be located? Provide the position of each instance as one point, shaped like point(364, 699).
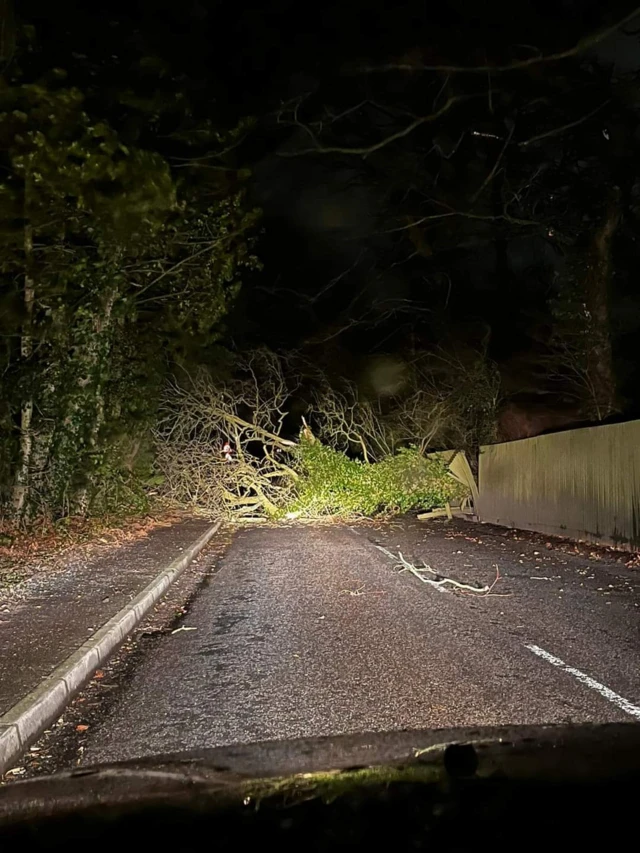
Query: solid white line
point(615, 698)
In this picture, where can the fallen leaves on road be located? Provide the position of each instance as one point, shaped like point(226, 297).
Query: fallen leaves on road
point(81, 728)
point(50, 545)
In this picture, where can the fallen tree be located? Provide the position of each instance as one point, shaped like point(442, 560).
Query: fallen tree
point(332, 484)
point(219, 445)
point(222, 447)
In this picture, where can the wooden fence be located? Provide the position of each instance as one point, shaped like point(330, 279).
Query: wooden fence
point(582, 483)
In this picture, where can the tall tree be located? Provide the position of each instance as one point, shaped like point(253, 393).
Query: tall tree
point(103, 241)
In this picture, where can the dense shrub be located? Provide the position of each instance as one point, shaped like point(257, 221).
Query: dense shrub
point(333, 484)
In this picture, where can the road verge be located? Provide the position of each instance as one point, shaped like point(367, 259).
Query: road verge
point(28, 718)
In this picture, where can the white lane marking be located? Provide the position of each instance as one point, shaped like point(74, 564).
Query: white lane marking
point(615, 698)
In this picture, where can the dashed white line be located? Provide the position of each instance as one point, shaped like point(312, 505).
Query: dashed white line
point(609, 694)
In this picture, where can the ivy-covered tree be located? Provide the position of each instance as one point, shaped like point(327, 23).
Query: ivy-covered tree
point(115, 267)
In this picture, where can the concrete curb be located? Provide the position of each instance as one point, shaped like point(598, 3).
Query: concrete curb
point(26, 721)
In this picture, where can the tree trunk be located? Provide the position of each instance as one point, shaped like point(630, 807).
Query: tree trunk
point(99, 351)
point(76, 435)
point(21, 481)
point(599, 278)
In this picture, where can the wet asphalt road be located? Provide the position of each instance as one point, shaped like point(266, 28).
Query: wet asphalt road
point(308, 631)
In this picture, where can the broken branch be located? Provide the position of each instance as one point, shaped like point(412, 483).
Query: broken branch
point(439, 584)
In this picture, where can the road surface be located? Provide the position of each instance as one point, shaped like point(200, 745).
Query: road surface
point(311, 630)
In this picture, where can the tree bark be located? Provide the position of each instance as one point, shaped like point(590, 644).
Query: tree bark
point(21, 481)
point(599, 278)
point(99, 351)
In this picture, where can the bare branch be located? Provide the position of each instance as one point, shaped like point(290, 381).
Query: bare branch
point(345, 421)
point(468, 215)
point(334, 118)
point(564, 127)
point(370, 149)
point(492, 173)
point(208, 248)
point(583, 45)
point(214, 155)
point(198, 418)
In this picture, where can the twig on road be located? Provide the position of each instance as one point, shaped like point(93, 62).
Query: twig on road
point(440, 581)
point(360, 591)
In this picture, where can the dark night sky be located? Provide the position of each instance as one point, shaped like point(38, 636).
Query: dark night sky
point(247, 59)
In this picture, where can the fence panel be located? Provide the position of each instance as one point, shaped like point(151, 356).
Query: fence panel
point(582, 483)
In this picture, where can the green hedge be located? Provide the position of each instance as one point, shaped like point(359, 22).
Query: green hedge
point(332, 484)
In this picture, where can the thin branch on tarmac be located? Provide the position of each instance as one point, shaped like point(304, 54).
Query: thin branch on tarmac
point(419, 572)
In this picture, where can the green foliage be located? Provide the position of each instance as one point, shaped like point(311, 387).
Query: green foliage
point(63, 163)
point(333, 484)
point(114, 268)
point(195, 270)
point(118, 490)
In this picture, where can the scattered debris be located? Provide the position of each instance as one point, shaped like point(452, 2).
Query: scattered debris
point(183, 628)
point(361, 590)
point(437, 513)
